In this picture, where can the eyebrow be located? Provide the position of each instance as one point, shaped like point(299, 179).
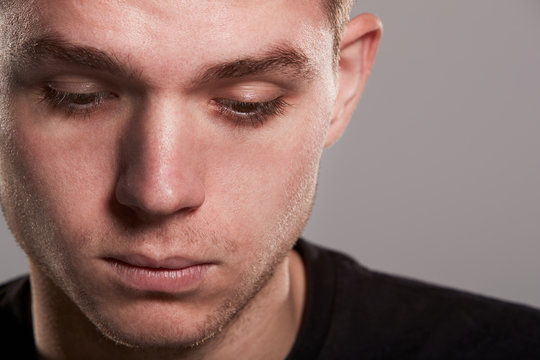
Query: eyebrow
point(281, 58)
point(52, 48)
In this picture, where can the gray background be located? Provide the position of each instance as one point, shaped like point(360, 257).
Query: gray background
point(437, 176)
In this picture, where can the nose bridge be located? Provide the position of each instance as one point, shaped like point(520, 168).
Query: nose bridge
point(159, 175)
point(158, 130)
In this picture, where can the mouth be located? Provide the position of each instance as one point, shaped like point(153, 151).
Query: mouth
point(172, 275)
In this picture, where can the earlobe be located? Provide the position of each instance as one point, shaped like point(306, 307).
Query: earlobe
point(358, 49)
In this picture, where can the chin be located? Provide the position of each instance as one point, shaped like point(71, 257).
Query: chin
point(150, 331)
point(161, 323)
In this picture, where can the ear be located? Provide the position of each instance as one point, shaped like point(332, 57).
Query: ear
point(358, 49)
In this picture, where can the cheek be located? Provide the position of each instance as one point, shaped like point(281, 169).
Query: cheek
point(260, 181)
point(57, 179)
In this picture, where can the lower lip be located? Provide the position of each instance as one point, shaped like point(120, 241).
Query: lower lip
point(171, 281)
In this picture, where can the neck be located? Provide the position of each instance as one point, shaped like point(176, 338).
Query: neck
point(265, 329)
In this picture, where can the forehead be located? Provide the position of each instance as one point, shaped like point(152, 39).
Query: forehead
point(176, 35)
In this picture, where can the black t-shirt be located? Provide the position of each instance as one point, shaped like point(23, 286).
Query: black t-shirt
point(16, 335)
point(354, 313)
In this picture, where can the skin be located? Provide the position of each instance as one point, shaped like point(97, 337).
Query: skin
point(157, 168)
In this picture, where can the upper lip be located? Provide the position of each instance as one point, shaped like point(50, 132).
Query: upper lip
point(138, 260)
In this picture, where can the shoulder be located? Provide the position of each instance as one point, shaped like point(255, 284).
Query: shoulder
point(377, 315)
point(16, 334)
point(15, 299)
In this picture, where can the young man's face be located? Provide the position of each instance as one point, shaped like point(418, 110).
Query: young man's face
point(184, 135)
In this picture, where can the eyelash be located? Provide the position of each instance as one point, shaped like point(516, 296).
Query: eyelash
point(74, 103)
point(239, 112)
point(250, 113)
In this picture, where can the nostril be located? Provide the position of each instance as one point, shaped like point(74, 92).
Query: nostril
point(156, 198)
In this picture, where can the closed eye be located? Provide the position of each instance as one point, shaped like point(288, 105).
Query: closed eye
point(250, 113)
point(72, 102)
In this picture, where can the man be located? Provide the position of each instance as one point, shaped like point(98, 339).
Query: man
point(158, 163)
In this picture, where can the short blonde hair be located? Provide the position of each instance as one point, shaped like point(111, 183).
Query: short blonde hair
point(337, 12)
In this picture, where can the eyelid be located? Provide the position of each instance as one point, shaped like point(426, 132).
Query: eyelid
point(256, 114)
point(81, 87)
point(76, 103)
point(253, 91)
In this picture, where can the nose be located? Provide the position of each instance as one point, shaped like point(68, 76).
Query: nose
point(159, 172)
